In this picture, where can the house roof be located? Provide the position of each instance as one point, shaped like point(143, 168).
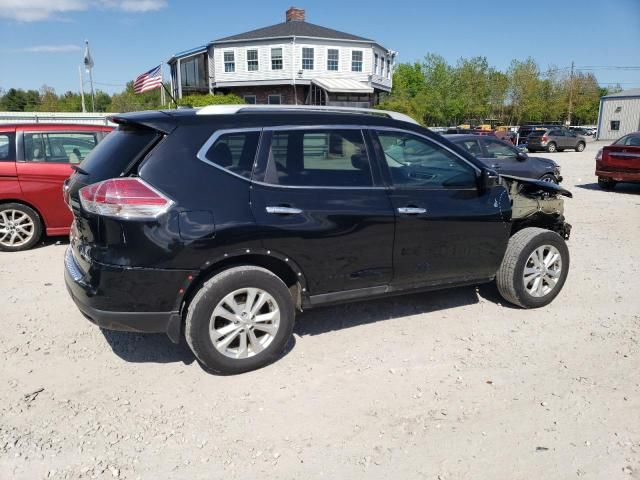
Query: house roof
point(293, 29)
point(633, 92)
point(188, 53)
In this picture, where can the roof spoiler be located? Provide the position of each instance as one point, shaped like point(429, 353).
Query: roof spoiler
point(155, 120)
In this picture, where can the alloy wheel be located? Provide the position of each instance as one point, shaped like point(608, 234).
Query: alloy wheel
point(542, 271)
point(244, 323)
point(16, 228)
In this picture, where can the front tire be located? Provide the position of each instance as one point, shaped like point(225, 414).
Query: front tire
point(606, 183)
point(552, 147)
point(534, 268)
point(240, 320)
point(20, 227)
point(549, 177)
point(580, 147)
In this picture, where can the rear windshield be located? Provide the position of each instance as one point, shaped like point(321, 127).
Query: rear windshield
point(117, 151)
point(537, 133)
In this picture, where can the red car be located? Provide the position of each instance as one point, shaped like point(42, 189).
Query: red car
point(35, 159)
point(619, 162)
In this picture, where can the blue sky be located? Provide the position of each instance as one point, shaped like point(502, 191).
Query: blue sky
point(41, 40)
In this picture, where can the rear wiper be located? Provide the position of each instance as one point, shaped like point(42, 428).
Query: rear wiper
point(79, 170)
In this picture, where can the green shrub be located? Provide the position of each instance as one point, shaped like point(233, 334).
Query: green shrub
point(197, 100)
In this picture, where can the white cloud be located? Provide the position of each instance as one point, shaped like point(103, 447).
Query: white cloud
point(37, 10)
point(49, 49)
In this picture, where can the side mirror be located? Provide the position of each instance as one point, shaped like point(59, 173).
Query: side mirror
point(489, 179)
point(522, 156)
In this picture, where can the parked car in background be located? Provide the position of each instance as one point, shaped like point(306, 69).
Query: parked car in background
point(237, 217)
point(585, 132)
point(506, 159)
point(555, 140)
point(619, 162)
point(35, 159)
point(525, 130)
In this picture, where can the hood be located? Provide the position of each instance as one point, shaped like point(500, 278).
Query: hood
point(531, 185)
point(543, 161)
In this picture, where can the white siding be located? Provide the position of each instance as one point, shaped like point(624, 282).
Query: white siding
point(292, 62)
point(628, 116)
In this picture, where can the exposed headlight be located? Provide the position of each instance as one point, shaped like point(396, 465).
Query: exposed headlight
point(599, 155)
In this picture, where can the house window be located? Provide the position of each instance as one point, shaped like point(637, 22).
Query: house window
point(307, 58)
point(276, 59)
point(388, 68)
point(615, 124)
point(252, 60)
point(375, 64)
point(229, 62)
point(250, 99)
point(333, 56)
point(356, 61)
point(275, 99)
point(192, 72)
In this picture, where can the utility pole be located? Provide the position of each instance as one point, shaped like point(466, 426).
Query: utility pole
point(570, 95)
point(84, 108)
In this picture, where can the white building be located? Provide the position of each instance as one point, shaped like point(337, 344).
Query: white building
point(619, 114)
point(294, 62)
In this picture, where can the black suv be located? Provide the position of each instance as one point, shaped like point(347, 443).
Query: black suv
point(218, 224)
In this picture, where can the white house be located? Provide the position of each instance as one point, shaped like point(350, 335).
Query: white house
point(294, 62)
point(619, 114)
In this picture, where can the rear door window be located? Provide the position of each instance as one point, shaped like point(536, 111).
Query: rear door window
point(499, 150)
point(6, 147)
point(319, 158)
point(59, 147)
point(472, 147)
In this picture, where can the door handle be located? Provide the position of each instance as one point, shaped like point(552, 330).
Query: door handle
point(279, 210)
point(412, 210)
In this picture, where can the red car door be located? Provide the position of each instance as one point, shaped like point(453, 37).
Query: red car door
point(45, 164)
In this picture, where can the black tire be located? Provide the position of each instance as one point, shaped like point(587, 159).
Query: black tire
point(36, 229)
point(580, 147)
point(606, 183)
point(521, 246)
point(549, 177)
point(212, 292)
point(552, 147)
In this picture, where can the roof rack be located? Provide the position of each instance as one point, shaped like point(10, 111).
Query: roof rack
point(231, 109)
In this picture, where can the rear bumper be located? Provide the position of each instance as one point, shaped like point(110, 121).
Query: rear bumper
point(115, 298)
point(619, 176)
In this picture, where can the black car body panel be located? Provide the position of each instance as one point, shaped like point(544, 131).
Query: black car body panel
point(340, 243)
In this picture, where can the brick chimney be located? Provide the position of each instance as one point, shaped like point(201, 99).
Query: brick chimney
point(295, 14)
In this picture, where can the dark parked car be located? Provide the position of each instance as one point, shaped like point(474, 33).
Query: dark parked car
point(555, 139)
point(35, 159)
point(619, 162)
point(505, 159)
point(219, 223)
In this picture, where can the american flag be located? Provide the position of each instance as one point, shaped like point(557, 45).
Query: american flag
point(148, 80)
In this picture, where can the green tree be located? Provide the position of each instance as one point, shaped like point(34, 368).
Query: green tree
point(204, 100)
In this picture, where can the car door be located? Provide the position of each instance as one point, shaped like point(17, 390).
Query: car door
point(448, 229)
point(503, 158)
point(559, 138)
point(45, 160)
point(321, 204)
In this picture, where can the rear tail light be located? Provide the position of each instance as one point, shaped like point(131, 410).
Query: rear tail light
point(599, 155)
point(128, 198)
point(545, 138)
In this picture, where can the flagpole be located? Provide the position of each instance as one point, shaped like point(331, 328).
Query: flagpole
point(88, 63)
point(84, 108)
point(93, 94)
point(162, 98)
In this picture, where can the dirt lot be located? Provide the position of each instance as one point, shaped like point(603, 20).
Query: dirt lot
point(444, 385)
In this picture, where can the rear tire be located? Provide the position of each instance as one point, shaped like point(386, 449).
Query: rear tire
point(606, 183)
point(580, 147)
point(549, 177)
point(20, 227)
point(552, 147)
point(229, 343)
point(534, 268)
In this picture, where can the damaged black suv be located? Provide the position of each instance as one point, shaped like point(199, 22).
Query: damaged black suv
point(219, 224)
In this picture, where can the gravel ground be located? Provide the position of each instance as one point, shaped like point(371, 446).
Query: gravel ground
point(443, 385)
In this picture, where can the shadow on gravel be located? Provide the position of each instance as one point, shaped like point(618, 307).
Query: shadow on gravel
point(148, 347)
point(327, 319)
point(625, 188)
point(57, 241)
